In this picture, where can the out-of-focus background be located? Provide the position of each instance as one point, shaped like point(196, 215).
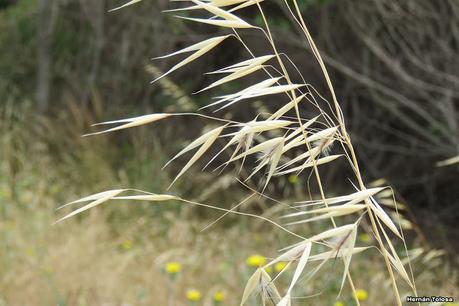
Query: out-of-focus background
point(66, 64)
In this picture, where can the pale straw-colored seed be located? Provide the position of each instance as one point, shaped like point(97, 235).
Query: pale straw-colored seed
point(318, 162)
point(125, 5)
point(131, 122)
point(196, 143)
point(202, 48)
point(212, 136)
point(448, 162)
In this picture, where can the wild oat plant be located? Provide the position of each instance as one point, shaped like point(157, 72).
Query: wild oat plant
point(270, 138)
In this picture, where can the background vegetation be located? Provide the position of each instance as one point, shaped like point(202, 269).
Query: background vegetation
point(65, 64)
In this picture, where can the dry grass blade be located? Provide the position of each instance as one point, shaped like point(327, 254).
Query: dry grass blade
point(320, 161)
point(293, 254)
point(131, 122)
point(227, 2)
point(244, 136)
point(236, 73)
point(356, 197)
point(301, 265)
point(244, 4)
point(228, 19)
point(93, 197)
point(334, 232)
point(218, 12)
point(326, 134)
point(286, 301)
point(309, 155)
point(325, 210)
point(212, 136)
point(331, 254)
point(382, 215)
point(329, 212)
point(220, 3)
point(196, 47)
point(349, 243)
point(265, 146)
point(181, 9)
point(302, 252)
point(274, 160)
point(275, 90)
point(261, 126)
point(268, 291)
point(271, 157)
point(101, 197)
point(397, 264)
point(259, 92)
point(251, 286)
point(125, 5)
point(395, 259)
point(299, 131)
point(287, 107)
point(148, 197)
point(196, 143)
point(304, 127)
point(98, 199)
point(256, 61)
point(219, 23)
point(245, 92)
point(202, 48)
point(448, 162)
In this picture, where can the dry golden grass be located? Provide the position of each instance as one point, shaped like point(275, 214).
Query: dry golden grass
point(94, 262)
point(117, 255)
point(102, 262)
point(272, 140)
point(279, 136)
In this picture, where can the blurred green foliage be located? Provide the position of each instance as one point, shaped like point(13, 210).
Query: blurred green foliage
point(18, 50)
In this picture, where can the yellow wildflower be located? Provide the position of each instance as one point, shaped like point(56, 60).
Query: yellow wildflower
point(361, 294)
point(268, 269)
point(126, 244)
point(193, 295)
point(364, 237)
point(173, 267)
point(255, 261)
point(338, 303)
point(293, 179)
point(29, 251)
point(219, 296)
point(280, 266)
